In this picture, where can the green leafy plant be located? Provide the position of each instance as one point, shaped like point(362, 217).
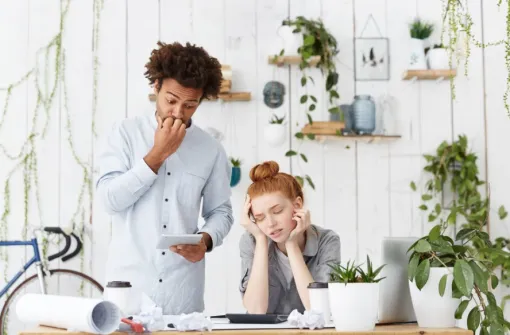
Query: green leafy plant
point(473, 274)
point(276, 120)
point(317, 41)
point(473, 257)
point(420, 30)
point(236, 162)
point(352, 273)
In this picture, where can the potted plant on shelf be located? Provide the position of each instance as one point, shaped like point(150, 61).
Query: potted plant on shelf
point(275, 131)
point(354, 296)
point(316, 41)
point(236, 171)
point(437, 57)
point(419, 31)
point(457, 274)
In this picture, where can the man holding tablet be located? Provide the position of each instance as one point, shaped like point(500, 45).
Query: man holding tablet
point(155, 170)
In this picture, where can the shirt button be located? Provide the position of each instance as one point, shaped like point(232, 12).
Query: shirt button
point(168, 173)
point(160, 280)
point(164, 226)
point(166, 199)
point(163, 253)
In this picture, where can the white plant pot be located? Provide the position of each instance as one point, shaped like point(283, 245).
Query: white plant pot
point(354, 307)
point(417, 55)
point(443, 313)
point(291, 41)
point(275, 134)
point(438, 59)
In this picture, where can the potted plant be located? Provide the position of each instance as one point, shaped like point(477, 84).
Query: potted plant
point(315, 41)
point(354, 296)
point(437, 57)
point(236, 171)
point(275, 131)
point(419, 31)
point(457, 274)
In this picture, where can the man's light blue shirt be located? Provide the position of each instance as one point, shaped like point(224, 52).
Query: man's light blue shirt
point(145, 205)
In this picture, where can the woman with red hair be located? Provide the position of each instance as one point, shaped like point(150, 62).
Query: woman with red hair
point(282, 251)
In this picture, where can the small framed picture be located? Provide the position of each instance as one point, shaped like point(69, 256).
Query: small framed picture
point(371, 58)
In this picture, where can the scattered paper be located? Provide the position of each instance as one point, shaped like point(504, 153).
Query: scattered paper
point(310, 319)
point(72, 313)
point(191, 322)
point(151, 316)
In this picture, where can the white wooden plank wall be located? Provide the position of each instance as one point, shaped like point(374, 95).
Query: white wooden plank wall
point(362, 190)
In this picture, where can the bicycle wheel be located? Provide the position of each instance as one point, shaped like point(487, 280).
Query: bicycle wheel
point(60, 282)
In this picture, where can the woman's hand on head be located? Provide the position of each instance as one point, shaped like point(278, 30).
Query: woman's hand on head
point(247, 222)
point(302, 218)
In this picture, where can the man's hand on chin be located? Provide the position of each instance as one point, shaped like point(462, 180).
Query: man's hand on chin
point(194, 253)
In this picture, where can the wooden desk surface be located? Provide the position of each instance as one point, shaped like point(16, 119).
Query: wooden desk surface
point(408, 329)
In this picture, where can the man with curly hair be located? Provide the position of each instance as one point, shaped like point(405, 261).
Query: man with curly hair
point(157, 173)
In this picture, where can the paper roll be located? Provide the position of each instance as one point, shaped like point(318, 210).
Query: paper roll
point(83, 314)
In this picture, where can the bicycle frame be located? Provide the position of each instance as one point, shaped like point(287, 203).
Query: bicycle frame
point(36, 259)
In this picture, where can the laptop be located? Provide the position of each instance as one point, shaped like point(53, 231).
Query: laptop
point(395, 305)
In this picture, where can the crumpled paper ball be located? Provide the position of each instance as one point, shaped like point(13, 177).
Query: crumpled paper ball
point(193, 321)
point(151, 316)
point(310, 319)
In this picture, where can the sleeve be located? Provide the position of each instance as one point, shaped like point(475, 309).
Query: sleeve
point(246, 249)
point(216, 205)
point(121, 182)
point(329, 252)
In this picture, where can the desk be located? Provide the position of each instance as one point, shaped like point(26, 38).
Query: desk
point(412, 329)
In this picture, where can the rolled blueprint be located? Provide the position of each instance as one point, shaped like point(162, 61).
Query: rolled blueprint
point(73, 313)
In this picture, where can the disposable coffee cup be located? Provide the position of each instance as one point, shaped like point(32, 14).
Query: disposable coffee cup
point(119, 293)
point(319, 299)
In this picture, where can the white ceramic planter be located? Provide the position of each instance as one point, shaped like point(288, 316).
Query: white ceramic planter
point(417, 55)
point(354, 307)
point(443, 313)
point(275, 134)
point(438, 59)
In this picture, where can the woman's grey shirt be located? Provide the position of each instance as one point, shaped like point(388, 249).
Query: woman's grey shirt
point(322, 247)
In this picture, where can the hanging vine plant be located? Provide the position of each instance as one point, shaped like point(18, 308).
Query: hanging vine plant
point(456, 15)
point(317, 41)
point(26, 158)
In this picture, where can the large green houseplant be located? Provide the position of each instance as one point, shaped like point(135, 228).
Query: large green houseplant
point(474, 259)
point(317, 41)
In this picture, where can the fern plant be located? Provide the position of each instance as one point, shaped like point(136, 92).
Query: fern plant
point(352, 273)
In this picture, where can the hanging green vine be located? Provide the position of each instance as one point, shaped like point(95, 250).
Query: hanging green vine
point(317, 41)
point(456, 13)
point(26, 157)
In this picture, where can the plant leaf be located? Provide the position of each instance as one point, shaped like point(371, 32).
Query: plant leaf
point(299, 135)
point(303, 99)
point(303, 81)
point(463, 277)
point(423, 246)
point(423, 207)
point(314, 99)
point(422, 274)
point(473, 320)
point(465, 233)
point(413, 264)
point(311, 136)
point(442, 284)
point(309, 180)
point(309, 40)
point(413, 186)
point(461, 308)
point(311, 108)
point(481, 277)
point(435, 232)
point(426, 197)
point(290, 153)
point(304, 157)
point(494, 281)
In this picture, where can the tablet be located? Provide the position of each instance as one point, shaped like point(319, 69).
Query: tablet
point(256, 318)
point(166, 241)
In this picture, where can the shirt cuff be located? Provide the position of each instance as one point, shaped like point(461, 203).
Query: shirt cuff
point(212, 234)
point(144, 176)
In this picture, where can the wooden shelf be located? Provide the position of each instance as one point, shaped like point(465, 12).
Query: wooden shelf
point(362, 138)
point(428, 74)
point(230, 96)
point(292, 60)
